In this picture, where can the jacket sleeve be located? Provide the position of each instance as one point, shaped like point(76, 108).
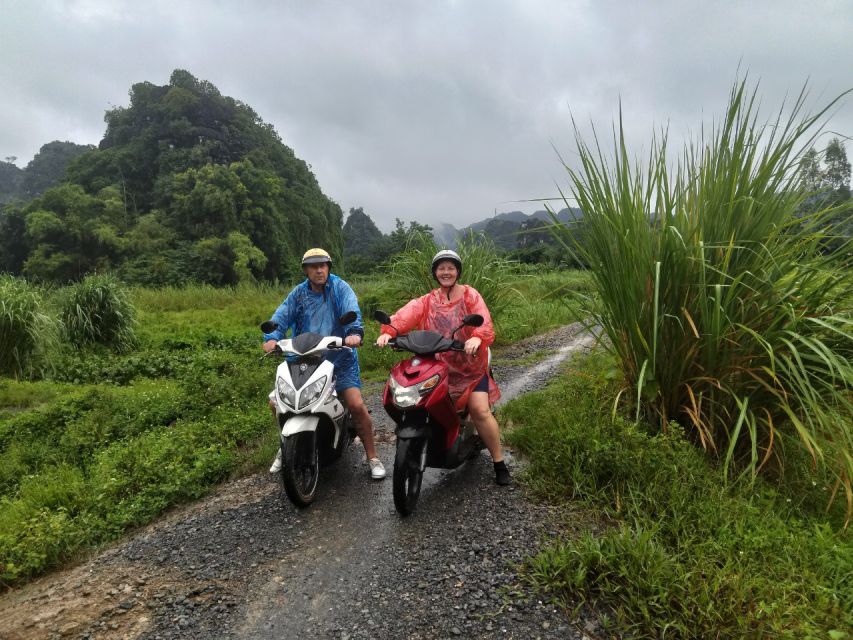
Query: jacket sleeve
point(284, 317)
point(475, 304)
point(347, 301)
point(409, 317)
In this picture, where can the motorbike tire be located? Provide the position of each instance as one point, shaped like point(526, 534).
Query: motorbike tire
point(408, 474)
point(300, 468)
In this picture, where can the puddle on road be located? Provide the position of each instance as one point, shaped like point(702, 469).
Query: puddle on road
point(522, 382)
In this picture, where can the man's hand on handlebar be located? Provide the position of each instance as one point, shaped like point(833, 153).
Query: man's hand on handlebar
point(269, 345)
point(353, 340)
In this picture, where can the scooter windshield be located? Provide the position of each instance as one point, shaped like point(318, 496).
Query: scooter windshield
point(306, 341)
point(424, 342)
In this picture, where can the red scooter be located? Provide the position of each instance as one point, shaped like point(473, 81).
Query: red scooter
point(430, 432)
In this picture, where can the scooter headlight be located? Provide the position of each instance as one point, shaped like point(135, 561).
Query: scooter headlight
point(312, 392)
point(286, 392)
point(404, 397)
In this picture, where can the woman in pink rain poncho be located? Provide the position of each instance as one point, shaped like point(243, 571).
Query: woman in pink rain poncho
point(471, 384)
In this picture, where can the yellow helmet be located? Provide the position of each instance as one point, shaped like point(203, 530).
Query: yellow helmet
point(316, 255)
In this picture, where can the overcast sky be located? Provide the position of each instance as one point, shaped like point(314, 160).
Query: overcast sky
point(435, 111)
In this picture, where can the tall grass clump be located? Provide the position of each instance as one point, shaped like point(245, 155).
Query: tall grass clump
point(98, 310)
point(27, 334)
point(482, 268)
point(715, 296)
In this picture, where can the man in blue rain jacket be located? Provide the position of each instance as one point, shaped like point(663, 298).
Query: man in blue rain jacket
point(315, 305)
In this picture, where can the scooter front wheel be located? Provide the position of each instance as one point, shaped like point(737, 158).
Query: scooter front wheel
point(408, 473)
point(300, 468)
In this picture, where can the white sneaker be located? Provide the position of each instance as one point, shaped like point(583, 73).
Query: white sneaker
point(276, 464)
point(377, 471)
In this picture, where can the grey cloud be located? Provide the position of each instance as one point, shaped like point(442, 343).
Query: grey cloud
point(437, 111)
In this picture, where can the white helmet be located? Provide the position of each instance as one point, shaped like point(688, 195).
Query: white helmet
point(447, 254)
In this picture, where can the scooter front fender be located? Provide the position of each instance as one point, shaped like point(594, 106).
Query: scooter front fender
point(407, 432)
point(299, 423)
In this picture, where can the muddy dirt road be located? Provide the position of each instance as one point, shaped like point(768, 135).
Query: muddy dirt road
point(244, 563)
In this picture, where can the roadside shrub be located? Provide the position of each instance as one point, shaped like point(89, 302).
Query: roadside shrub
point(97, 310)
point(27, 334)
point(716, 295)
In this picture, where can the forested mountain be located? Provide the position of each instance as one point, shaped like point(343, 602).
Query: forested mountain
point(366, 247)
point(511, 230)
point(187, 184)
point(45, 170)
point(361, 235)
point(11, 177)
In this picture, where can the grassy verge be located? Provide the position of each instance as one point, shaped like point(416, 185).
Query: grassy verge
point(687, 556)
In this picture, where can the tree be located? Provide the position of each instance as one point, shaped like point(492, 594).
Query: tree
point(836, 176)
point(400, 238)
point(829, 179)
point(71, 234)
point(811, 175)
point(13, 243)
point(827, 186)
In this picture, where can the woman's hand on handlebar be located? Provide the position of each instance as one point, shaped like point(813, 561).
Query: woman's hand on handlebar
point(471, 345)
point(383, 339)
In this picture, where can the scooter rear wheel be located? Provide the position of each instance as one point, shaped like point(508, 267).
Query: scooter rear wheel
point(300, 468)
point(408, 474)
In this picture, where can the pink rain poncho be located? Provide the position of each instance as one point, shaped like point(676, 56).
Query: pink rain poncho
point(435, 313)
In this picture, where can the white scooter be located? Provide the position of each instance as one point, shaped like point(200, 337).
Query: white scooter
point(315, 427)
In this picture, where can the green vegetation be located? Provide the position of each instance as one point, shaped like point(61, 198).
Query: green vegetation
point(721, 283)
point(115, 436)
point(825, 178)
point(367, 249)
point(681, 554)
point(187, 185)
point(717, 296)
point(45, 170)
point(483, 268)
point(97, 310)
point(27, 334)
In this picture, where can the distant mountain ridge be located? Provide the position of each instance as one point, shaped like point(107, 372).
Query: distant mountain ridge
point(508, 230)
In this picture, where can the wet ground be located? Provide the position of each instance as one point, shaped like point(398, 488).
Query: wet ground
point(244, 563)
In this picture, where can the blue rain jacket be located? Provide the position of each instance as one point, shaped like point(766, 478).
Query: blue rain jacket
point(304, 310)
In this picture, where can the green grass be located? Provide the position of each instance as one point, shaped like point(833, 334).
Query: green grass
point(716, 295)
point(685, 555)
point(28, 335)
point(97, 310)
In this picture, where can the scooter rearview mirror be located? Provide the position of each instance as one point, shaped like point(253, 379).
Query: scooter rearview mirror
point(473, 320)
point(268, 326)
point(381, 317)
point(348, 317)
